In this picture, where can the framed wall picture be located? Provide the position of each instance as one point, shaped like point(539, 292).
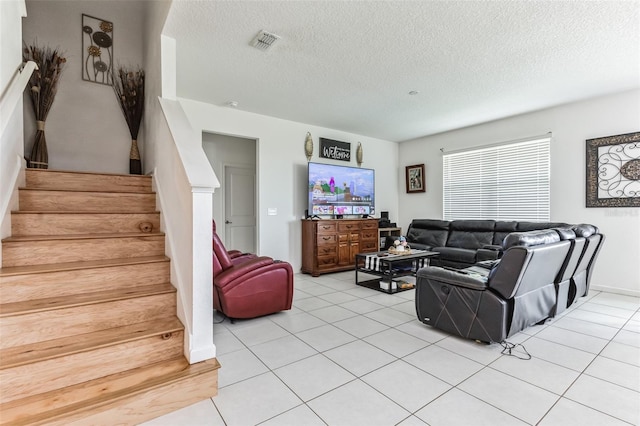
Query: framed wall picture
point(415, 178)
point(613, 171)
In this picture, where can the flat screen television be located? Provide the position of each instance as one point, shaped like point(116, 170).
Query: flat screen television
point(341, 190)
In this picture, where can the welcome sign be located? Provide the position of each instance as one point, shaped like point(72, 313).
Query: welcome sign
point(335, 150)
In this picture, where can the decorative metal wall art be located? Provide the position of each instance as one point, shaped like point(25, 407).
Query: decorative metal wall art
point(414, 176)
point(335, 150)
point(97, 50)
point(613, 171)
point(308, 146)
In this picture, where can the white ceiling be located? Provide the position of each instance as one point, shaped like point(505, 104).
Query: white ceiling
point(349, 65)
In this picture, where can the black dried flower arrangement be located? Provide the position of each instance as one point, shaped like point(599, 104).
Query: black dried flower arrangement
point(129, 89)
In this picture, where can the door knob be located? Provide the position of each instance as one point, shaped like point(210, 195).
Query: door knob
point(227, 221)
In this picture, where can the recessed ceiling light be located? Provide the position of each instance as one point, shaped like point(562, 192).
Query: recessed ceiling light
point(413, 92)
point(232, 104)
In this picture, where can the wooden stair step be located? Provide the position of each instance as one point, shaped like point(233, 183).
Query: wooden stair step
point(123, 396)
point(86, 181)
point(46, 249)
point(21, 283)
point(49, 401)
point(72, 266)
point(65, 346)
point(85, 201)
point(62, 302)
point(58, 363)
point(23, 238)
point(87, 313)
point(28, 322)
point(54, 223)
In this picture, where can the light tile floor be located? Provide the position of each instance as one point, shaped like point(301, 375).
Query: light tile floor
point(348, 355)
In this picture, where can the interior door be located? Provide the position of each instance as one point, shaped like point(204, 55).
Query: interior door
point(240, 208)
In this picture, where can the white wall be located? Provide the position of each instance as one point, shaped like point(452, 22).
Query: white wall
point(85, 129)
point(10, 40)
point(618, 266)
point(282, 170)
point(223, 150)
point(156, 16)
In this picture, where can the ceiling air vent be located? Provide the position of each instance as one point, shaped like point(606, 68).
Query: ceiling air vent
point(264, 40)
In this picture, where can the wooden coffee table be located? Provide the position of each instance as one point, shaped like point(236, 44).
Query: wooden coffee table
point(390, 268)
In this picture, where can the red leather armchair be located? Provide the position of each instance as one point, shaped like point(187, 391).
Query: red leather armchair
point(236, 256)
point(249, 286)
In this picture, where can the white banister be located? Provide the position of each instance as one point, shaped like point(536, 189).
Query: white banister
point(13, 93)
point(13, 79)
point(184, 181)
point(189, 146)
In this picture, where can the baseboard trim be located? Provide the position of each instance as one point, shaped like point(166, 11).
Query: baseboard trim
point(201, 354)
point(616, 290)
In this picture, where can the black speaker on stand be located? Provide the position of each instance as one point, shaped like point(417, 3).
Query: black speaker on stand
point(384, 220)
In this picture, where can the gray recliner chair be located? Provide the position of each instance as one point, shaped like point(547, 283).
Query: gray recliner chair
point(519, 291)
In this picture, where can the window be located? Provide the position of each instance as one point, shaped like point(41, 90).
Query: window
point(502, 182)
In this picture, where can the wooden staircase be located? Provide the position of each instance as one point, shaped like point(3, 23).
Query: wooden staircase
point(88, 326)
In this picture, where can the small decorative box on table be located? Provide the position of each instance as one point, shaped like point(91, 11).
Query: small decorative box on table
point(390, 268)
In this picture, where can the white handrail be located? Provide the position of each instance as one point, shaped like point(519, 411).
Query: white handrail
point(13, 94)
point(185, 182)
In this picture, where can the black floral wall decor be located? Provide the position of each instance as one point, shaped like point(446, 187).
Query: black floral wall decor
point(97, 50)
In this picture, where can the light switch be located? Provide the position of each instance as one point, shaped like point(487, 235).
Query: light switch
point(272, 211)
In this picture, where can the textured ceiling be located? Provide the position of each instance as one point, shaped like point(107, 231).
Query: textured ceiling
point(349, 65)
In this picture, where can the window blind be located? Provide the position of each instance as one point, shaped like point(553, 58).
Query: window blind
point(505, 182)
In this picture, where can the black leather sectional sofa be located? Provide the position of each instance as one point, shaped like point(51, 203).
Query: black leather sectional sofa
point(538, 275)
point(463, 243)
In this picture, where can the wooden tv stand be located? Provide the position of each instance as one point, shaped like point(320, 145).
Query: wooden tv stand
point(331, 245)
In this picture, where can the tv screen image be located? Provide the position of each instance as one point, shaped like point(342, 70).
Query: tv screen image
point(341, 190)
